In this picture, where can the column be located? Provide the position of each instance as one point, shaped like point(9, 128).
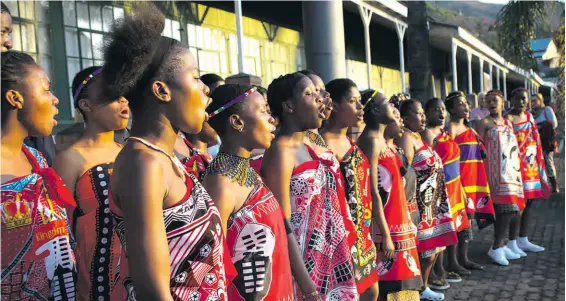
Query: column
point(481, 75)
point(490, 76)
point(323, 26)
point(470, 87)
point(240, 34)
point(366, 18)
point(400, 35)
point(497, 75)
point(505, 85)
point(526, 82)
point(454, 67)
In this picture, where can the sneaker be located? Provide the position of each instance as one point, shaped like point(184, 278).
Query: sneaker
point(526, 245)
point(510, 255)
point(498, 255)
point(438, 284)
point(431, 295)
point(512, 245)
point(453, 277)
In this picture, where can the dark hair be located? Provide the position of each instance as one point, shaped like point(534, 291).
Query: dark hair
point(5, 9)
point(366, 96)
point(135, 53)
point(261, 90)
point(14, 70)
point(339, 87)
point(494, 92)
point(406, 105)
point(210, 78)
point(280, 90)
point(307, 72)
point(370, 111)
point(77, 81)
point(449, 102)
point(518, 90)
point(221, 96)
point(428, 105)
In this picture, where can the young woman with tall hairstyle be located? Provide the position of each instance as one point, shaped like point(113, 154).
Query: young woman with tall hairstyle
point(393, 232)
point(472, 175)
point(533, 169)
point(86, 167)
point(169, 228)
point(37, 259)
point(436, 227)
point(256, 230)
point(546, 123)
point(504, 176)
point(309, 188)
point(355, 167)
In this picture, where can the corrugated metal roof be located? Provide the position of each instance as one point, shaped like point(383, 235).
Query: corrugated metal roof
point(540, 44)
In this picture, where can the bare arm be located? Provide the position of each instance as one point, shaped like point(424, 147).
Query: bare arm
point(217, 187)
point(406, 144)
point(298, 268)
point(68, 165)
point(428, 136)
point(141, 193)
point(551, 116)
point(276, 170)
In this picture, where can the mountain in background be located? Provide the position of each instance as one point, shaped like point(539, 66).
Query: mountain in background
point(470, 8)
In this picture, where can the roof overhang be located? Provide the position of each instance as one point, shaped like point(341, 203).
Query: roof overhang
point(388, 13)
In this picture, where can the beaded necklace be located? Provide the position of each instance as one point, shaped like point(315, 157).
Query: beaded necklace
point(236, 168)
point(316, 139)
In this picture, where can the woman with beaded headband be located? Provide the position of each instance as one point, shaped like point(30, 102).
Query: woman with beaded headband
point(170, 231)
point(533, 169)
point(436, 228)
point(355, 168)
point(472, 175)
point(449, 152)
point(310, 189)
point(85, 167)
point(37, 260)
point(394, 236)
point(256, 230)
point(504, 176)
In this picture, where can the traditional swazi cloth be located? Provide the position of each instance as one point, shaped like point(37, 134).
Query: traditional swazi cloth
point(449, 152)
point(37, 260)
point(98, 247)
point(504, 168)
point(355, 169)
point(324, 230)
point(474, 177)
point(531, 156)
point(197, 162)
point(403, 272)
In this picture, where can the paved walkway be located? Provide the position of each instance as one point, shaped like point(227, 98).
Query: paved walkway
point(536, 277)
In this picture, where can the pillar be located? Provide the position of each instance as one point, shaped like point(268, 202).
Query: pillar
point(497, 75)
point(470, 87)
point(505, 85)
point(323, 26)
point(490, 76)
point(240, 35)
point(400, 35)
point(454, 67)
point(481, 76)
point(366, 18)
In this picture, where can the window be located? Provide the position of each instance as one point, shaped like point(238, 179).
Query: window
point(172, 29)
point(252, 58)
point(31, 33)
point(86, 23)
point(208, 45)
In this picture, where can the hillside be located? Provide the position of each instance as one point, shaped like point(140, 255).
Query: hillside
point(470, 8)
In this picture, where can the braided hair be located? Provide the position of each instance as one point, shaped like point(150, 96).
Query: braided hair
point(221, 96)
point(5, 9)
point(280, 90)
point(15, 68)
point(449, 102)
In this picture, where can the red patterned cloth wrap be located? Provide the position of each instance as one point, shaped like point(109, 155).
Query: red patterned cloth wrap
point(255, 162)
point(474, 177)
point(436, 228)
point(98, 247)
point(449, 152)
point(355, 170)
point(199, 258)
point(197, 162)
point(38, 262)
point(257, 242)
point(533, 169)
point(504, 167)
point(324, 230)
point(403, 272)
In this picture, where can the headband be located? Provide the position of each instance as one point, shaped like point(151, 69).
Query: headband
point(457, 94)
point(232, 102)
point(495, 92)
point(161, 51)
point(519, 89)
point(371, 98)
point(83, 83)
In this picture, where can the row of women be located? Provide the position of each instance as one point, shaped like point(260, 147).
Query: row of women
point(321, 217)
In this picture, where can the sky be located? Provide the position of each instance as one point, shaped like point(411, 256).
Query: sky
point(495, 1)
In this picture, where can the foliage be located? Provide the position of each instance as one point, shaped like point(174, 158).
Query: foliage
point(560, 44)
point(515, 26)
